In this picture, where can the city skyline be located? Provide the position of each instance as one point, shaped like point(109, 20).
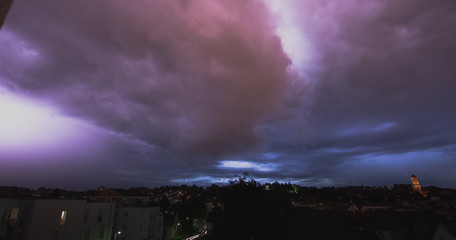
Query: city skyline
point(152, 93)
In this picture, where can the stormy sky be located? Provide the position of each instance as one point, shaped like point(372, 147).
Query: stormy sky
point(149, 93)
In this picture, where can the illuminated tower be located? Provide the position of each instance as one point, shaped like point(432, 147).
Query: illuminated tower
point(416, 185)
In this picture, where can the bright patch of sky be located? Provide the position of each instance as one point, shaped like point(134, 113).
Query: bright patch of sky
point(255, 166)
point(227, 180)
point(295, 44)
point(204, 179)
point(25, 123)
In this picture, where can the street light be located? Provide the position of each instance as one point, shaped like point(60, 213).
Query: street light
point(117, 233)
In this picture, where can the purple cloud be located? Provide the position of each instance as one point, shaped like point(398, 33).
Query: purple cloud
point(170, 89)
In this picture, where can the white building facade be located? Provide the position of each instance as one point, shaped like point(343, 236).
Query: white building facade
point(55, 219)
point(141, 223)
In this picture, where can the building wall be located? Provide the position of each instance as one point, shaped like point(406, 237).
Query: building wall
point(138, 223)
point(43, 219)
point(45, 222)
point(115, 199)
point(98, 220)
point(109, 196)
point(14, 218)
point(86, 221)
point(134, 200)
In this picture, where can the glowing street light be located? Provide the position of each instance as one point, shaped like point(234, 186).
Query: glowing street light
point(117, 233)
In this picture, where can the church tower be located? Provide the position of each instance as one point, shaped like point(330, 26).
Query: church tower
point(416, 185)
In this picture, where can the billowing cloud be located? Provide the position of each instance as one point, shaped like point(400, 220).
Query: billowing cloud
point(195, 77)
point(329, 92)
point(382, 87)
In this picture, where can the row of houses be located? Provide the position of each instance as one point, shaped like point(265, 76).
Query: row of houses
point(57, 219)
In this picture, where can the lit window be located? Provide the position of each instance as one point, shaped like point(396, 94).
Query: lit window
point(63, 216)
point(13, 217)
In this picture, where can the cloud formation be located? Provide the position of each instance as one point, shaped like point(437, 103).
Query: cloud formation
point(383, 83)
point(190, 76)
point(364, 90)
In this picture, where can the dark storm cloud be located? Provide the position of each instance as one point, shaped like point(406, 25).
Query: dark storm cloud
point(192, 77)
point(384, 86)
point(187, 85)
point(391, 66)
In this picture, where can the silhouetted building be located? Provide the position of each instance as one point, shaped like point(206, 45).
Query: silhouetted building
point(411, 226)
point(109, 195)
point(130, 197)
point(5, 6)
